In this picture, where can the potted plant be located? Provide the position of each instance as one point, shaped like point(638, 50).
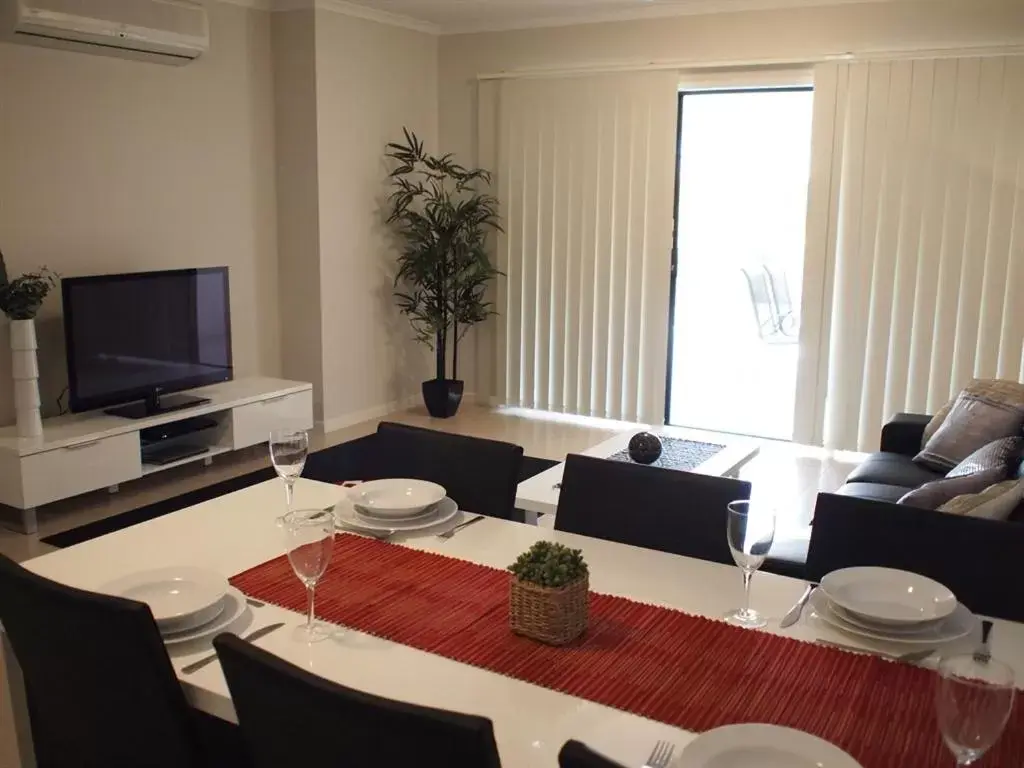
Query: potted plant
point(444, 219)
point(20, 300)
point(549, 593)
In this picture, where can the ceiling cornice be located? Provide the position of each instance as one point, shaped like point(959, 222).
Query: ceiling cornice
point(691, 8)
point(342, 6)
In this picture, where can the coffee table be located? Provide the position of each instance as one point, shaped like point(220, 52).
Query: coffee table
point(539, 494)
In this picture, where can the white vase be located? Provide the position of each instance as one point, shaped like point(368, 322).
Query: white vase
point(25, 369)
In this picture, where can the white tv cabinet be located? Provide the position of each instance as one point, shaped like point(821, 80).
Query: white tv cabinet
point(84, 452)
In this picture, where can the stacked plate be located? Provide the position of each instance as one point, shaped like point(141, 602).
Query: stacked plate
point(384, 506)
point(187, 603)
point(892, 605)
point(756, 745)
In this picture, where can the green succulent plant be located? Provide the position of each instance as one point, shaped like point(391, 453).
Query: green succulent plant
point(547, 564)
point(21, 298)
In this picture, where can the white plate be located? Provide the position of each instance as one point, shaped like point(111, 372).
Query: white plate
point(958, 624)
point(180, 597)
point(895, 630)
point(396, 499)
point(753, 745)
point(886, 595)
point(349, 518)
point(369, 514)
point(232, 606)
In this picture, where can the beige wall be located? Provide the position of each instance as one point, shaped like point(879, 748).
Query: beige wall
point(372, 80)
point(805, 33)
point(108, 165)
point(298, 196)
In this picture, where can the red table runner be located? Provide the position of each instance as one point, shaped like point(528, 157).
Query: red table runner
point(688, 671)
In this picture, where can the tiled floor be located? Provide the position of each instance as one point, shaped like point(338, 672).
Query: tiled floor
point(789, 475)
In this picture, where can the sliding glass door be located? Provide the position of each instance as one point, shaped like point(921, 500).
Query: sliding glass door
point(742, 175)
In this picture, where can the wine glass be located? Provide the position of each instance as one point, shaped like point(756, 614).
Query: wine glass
point(288, 451)
point(973, 702)
point(309, 537)
point(751, 530)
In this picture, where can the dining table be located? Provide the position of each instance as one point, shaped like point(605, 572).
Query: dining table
point(239, 531)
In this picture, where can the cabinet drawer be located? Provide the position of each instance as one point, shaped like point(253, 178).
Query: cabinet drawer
point(74, 469)
point(252, 424)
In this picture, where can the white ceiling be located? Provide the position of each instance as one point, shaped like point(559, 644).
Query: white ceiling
point(480, 15)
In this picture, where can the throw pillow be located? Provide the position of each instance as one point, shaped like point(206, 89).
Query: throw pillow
point(996, 502)
point(973, 422)
point(1003, 454)
point(936, 493)
point(1000, 390)
point(992, 463)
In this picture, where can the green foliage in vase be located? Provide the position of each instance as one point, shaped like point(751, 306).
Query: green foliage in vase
point(21, 298)
point(547, 564)
point(438, 209)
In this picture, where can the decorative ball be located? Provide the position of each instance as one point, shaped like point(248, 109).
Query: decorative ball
point(644, 448)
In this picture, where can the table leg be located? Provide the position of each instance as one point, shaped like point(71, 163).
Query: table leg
point(29, 522)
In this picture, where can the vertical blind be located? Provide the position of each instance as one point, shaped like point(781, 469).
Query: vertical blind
point(584, 175)
point(915, 255)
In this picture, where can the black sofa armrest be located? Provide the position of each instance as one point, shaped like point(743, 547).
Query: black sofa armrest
point(903, 433)
point(978, 559)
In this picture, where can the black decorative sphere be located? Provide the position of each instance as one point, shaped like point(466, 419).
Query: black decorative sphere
point(644, 448)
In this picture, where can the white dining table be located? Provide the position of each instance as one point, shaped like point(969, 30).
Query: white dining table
point(538, 495)
point(238, 531)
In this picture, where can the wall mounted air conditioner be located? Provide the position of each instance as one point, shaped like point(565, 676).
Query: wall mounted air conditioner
point(174, 31)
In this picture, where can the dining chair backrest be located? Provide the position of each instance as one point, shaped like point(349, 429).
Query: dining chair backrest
point(100, 687)
point(291, 717)
point(480, 475)
point(576, 754)
point(979, 560)
point(665, 509)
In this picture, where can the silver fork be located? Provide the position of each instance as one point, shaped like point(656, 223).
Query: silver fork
point(465, 524)
point(661, 755)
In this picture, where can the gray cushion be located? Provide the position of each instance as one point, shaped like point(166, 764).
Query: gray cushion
point(994, 503)
point(999, 454)
point(986, 466)
point(933, 495)
point(893, 469)
point(874, 491)
point(972, 423)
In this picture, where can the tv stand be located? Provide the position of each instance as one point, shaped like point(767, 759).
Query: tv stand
point(156, 404)
point(82, 452)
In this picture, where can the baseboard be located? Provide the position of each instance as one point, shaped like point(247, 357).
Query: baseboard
point(335, 423)
point(378, 412)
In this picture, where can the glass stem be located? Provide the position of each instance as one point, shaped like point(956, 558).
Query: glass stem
point(309, 613)
point(746, 591)
point(289, 494)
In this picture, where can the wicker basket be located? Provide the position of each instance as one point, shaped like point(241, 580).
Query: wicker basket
point(552, 616)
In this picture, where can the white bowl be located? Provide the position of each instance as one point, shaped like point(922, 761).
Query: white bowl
point(180, 597)
point(398, 498)
point(889, 596)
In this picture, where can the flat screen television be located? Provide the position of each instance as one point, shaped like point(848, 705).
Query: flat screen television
point(135, 338)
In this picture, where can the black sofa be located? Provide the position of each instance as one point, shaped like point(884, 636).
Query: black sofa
point(889, 474)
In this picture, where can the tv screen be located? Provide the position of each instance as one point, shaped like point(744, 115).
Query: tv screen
point(133, 336)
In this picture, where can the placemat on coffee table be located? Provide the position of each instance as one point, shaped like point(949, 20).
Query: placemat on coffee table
point(688, 671)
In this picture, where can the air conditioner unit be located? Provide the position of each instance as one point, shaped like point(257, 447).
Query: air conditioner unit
point(175, 31)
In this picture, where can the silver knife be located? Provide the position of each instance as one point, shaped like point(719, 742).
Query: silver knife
point(252, 637)
point(793, 616)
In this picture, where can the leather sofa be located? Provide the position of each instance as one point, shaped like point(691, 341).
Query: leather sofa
point(887, 475)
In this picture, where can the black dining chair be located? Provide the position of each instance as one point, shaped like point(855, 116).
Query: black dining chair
point(665, 509)
point(979, 560)
point(576, 754)
point(480, 475)
point(100, 687)
point(291, 717)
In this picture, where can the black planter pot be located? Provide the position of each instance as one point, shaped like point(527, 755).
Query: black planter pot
point(442, 397)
